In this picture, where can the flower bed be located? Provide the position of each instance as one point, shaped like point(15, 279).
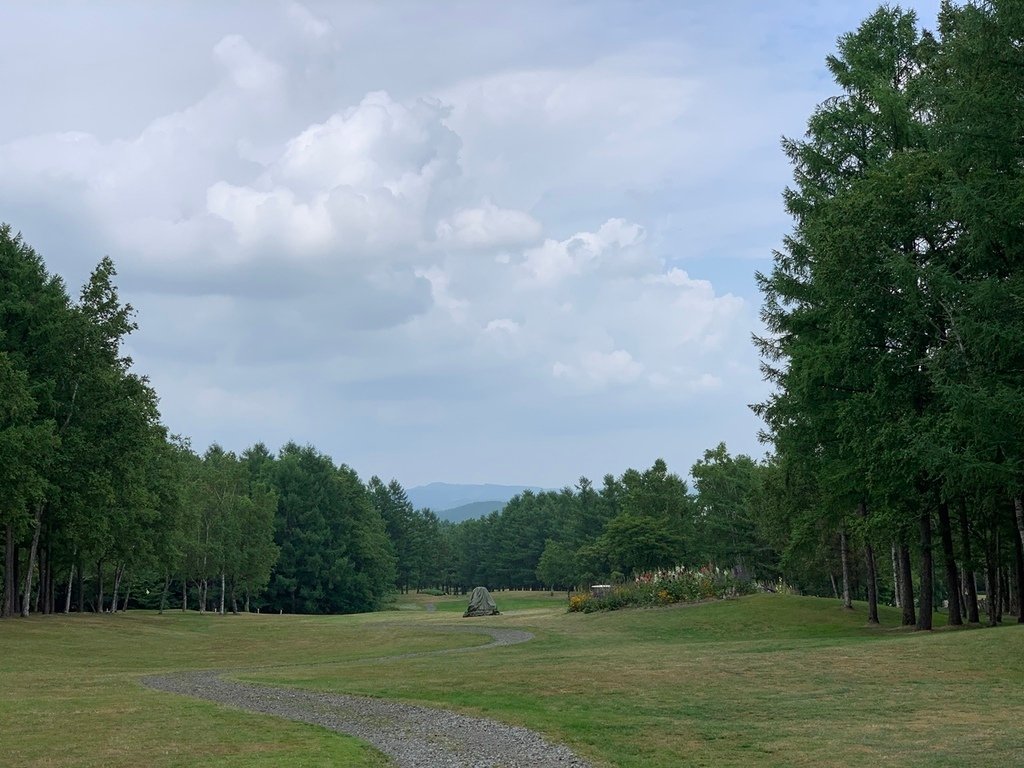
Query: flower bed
point(667, 587)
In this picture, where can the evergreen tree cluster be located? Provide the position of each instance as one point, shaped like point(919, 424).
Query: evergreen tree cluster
point(895, 330)
point(102, 507)
point(640, 521)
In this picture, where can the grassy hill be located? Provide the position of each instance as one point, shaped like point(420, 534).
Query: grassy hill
point(766, 680)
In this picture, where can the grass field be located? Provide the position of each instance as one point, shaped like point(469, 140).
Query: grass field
point(766, 680)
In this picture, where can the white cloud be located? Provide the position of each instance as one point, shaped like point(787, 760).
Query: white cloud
point(501, 325)
point(247, 68)
point(488, 226)
point(398, 256)
point(310, 25)
point(613, 247)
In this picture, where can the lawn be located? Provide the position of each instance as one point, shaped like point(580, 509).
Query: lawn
point(766, 680)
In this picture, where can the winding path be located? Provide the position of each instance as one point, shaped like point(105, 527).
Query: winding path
point(412, 736)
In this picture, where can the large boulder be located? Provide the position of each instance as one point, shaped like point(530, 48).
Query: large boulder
point(481, 604)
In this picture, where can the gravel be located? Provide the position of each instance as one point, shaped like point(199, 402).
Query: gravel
point(412, 736)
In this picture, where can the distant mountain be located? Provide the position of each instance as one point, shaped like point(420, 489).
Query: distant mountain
point(441, 497)
point(471, 510)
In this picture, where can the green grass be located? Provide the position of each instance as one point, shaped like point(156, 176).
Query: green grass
point(767, 680)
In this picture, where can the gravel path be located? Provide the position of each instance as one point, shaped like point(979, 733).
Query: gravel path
point(412, 736)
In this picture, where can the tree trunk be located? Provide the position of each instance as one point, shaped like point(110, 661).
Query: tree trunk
point(99, 586)
point(906, 587)
point(869, 562)
point(27, 597)
point(952, 577)
point(1003, 593)
point(896, 587)
point(71, 584)
point(184, 594)
point(222, 590)
point(81, 584)
point(202, 596)
point(50, 581)
point(40, 603)
point(1018, 551)
point(844, 557)
point(164, 593)
point(10, 573)
point(970, 578)
point(991, 581)
point(127, 594)
point(1018, 508)
point(835, 590)
point(118, 572)
point(247, 601)
point(924, 614)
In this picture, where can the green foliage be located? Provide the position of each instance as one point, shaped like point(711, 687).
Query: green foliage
point(335, 555)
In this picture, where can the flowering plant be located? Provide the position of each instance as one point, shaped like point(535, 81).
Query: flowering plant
point(666, 587)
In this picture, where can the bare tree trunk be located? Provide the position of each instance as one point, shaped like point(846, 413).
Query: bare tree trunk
point(40, 582)
point(906, 587)
point(970, 578)
point(924, 615)
point(99, 586)
point(1018, 508)
point(184, 594)
point(222, 590)
point(844, 557)
point(127, 593)
point(247, 601)
point(71, 584)
point(896, 587)
point(991, 581)
point(40, 601)
point(835, 590)
point(1018, 551)
point(952, 576)
point(1003, 596)
point(51, 581)
point(163, 595)
point(27, 597)
point(81, 583)
point(118, 572)
point(202, 596)
point(10, 573)
point(869, 562)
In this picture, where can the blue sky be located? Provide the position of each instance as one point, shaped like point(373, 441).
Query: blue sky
point(466, 242)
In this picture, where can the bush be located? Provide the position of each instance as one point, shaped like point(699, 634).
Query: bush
point(668, 587)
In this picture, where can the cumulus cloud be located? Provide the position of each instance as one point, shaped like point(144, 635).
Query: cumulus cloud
point(398, 258)
point(308, 24)
point(488, 226)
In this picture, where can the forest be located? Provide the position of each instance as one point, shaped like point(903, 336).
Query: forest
point(893, 340)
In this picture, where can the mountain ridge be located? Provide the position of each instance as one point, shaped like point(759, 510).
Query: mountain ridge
point(443, 497)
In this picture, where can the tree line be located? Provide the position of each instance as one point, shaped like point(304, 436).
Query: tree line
point(104, 508)
point(101, 506)
point(895, 314)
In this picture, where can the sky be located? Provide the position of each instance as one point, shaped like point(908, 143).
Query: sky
point(451, 241)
